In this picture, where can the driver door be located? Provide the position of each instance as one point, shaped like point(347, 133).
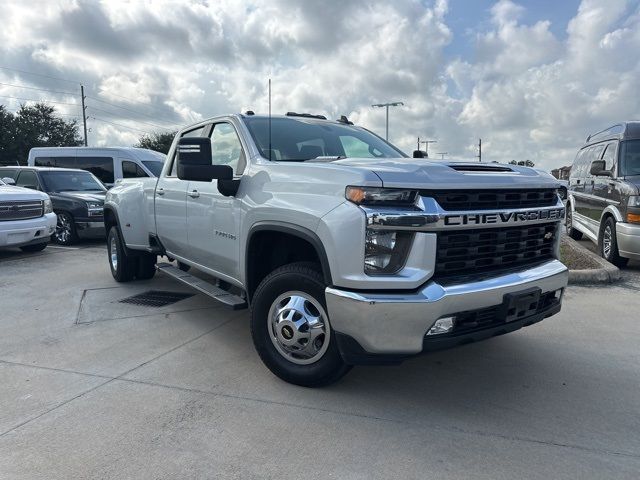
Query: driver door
point(212, 218)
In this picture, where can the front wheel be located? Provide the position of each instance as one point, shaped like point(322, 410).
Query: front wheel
point(608, 244)
point(38, 247)
point(65, 233)
point(291, 330)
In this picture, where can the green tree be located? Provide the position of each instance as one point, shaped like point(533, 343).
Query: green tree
point(158, 141)
point(34, 126)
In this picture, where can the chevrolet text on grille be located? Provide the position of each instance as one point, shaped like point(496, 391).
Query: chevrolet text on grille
point(504, 217)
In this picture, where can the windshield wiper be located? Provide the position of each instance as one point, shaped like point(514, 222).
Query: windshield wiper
point(326, 158)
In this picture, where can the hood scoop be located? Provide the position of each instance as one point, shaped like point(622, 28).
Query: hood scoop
point(480, 168)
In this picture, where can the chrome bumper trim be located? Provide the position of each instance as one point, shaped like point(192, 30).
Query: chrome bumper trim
point(396, 323)
point(628, 236)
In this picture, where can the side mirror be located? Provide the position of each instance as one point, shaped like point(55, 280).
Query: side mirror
point(419, 154)
point(194, 161)
point(9, 181)
point(597, 168)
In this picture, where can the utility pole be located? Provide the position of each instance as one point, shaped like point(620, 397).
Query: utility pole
point(442, 154)
point(479, 150)
point(84, 114)
point(426, 145)
point(387, 105)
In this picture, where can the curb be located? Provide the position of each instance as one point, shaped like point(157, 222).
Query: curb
point(607, 273)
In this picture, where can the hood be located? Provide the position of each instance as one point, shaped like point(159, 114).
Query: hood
point(633, 180)
point(10, 192)
point(419, 174)
point(84, 196)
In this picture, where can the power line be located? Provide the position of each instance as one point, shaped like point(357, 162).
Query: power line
point(38, 74)
point(38, 100)
point(41, 89)
point(119, 125)
point(133, 111)
point(134, 119)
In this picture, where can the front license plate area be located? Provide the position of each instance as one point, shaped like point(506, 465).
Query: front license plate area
point(521, 304)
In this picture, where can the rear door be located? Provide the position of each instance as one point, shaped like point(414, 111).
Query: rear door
point(591, 203)
point(171, 207)
point(212, 218)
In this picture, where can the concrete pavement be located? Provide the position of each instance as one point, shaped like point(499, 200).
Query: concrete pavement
point(93, 388)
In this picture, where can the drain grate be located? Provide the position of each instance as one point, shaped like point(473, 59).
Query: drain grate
point(156, 298)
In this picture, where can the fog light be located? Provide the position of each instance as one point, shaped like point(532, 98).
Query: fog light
point(442, 325)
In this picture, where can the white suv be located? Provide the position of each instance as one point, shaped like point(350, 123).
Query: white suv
point(26, 218)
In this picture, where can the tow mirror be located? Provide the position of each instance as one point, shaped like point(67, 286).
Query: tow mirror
point(419, 154)
point(9, 181)
point(597, 168)
point(194, 164)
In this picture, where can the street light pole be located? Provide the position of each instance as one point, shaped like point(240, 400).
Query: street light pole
point(387, 105)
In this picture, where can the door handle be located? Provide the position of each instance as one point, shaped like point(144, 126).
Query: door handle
point(160, 191)
point(194, 194)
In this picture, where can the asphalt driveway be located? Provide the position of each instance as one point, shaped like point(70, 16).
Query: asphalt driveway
point(91, 387)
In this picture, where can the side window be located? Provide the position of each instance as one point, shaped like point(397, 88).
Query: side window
point(191, 133)
point(64, 162)
point(132, 170)
point(27, 179)
point(609, 156)
point(44, 162)
point(226, 148)
point(101, 167)
point(578, 164)
point(6, 172)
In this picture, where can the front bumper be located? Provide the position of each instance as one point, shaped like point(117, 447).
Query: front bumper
point(93, 228)
point(628, 236)
point(18, 233)
point(392, 323)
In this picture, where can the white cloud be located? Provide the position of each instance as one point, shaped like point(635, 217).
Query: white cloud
point(527, 93)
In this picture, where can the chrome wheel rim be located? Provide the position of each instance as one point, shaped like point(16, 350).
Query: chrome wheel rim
point(63, 229)
point(607, 241)
point(113, 254)
point(299, 327)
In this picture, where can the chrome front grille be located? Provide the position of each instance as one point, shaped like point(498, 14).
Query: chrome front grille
point(21, 210)
point(461, 252)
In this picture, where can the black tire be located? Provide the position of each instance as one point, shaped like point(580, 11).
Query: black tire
point(65, 233)
point(608, 244)
point(305, 278)
point(123, 267)
point(568, 221)
point(146, 266)
point(38, 247)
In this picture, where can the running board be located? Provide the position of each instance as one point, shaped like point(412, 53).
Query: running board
point(229, 299)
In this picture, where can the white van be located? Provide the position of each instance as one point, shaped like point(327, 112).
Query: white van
point(108, 164)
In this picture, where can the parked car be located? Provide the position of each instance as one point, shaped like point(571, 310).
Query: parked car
point(604, 193)
point(26, 218)
point(347, 251)
point(108, 164)
point(77, 196)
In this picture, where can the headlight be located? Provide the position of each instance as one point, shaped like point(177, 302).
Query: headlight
point(385, 251)
point(95, 209)
point(381, 196)
point(634, 201)
point(48, 206)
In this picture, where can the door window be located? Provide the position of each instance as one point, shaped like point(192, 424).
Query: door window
point(27, 179)
point(45, 161)
point(609, 156)
point(226, 148)
point(132, 170)
point(101, 167)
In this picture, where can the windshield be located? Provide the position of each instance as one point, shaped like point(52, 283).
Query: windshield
point(71, 182)
point(154, 167)
point(630, 157)
point(300, 139)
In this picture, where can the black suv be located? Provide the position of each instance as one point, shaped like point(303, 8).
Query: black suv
point(604, 193)
point(77, 197)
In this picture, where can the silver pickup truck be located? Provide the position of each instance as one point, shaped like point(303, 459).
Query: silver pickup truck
point(346, 251)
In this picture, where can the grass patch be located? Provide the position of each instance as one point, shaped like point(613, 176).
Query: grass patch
point(575, 258)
